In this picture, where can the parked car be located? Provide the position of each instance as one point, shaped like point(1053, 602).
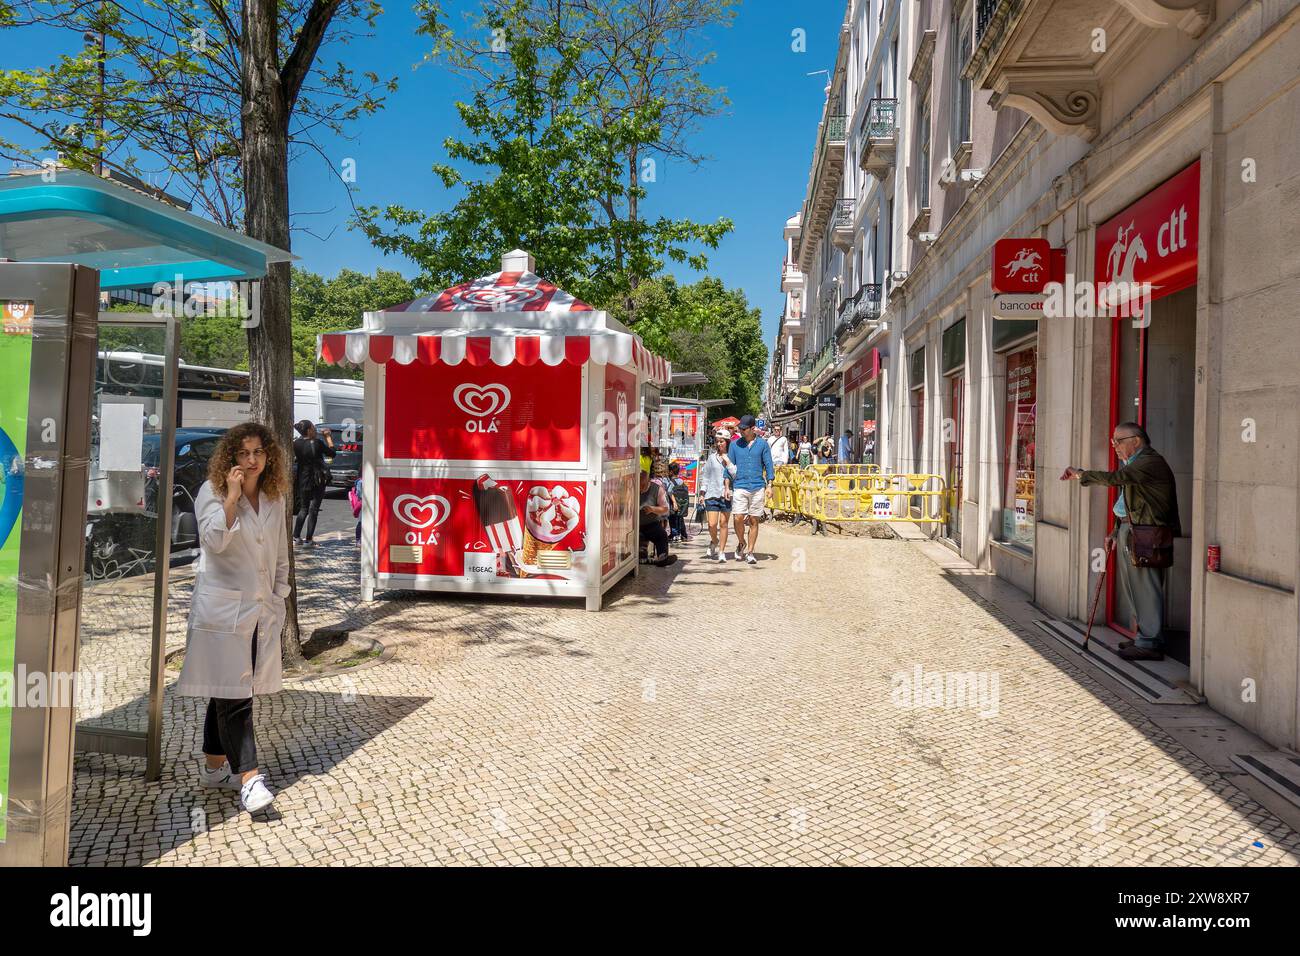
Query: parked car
point(345, 466)
point(120, 543)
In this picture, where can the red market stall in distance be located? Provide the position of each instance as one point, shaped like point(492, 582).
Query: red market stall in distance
point(507, 415)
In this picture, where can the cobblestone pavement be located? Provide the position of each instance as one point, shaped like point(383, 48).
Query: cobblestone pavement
point(711, 714)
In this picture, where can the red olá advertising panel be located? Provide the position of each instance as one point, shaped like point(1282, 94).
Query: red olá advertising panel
point(490, 413)
point(616, 433)
point(1154, 239)
point(482, 529)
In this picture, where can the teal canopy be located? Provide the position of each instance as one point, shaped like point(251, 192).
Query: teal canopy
point(133, 240)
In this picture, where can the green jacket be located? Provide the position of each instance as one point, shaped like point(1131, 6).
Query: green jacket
point(1150, 495)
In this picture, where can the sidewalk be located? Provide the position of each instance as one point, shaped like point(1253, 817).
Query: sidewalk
point(711, 714)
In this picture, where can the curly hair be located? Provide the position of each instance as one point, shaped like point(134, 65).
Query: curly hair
point(274, 481)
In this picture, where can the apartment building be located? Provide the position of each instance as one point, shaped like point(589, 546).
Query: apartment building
point(1148, 138)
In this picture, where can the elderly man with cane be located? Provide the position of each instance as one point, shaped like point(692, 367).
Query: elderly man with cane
point(1146, 516)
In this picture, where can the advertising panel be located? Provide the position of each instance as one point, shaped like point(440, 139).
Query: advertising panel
point(15, 372)
point(482, 530)
point(493, 413)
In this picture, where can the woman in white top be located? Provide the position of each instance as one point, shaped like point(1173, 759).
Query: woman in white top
point(714, 489)
point(232, 648)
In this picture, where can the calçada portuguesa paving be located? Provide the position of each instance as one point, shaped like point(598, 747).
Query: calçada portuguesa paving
point(711, 714)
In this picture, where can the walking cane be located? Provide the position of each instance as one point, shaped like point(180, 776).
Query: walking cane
point(1096, 599)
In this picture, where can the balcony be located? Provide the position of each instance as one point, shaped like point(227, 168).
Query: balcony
point(859, 312)
point(791, 277)
point(1030, 63)
point(842, 225)
point(880, 144)
point(824, 359)
point(828, 170)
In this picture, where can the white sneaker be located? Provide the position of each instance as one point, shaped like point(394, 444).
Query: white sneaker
point(722, 557)
point(750, 559)
point(713, 553)
point(223, 778)
point(254, 795)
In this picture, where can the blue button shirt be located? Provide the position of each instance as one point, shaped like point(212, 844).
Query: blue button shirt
point(753, 461)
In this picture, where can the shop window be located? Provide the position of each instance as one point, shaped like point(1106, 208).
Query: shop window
point(1018, 488)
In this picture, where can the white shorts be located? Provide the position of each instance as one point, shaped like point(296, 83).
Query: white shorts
point(744, 502)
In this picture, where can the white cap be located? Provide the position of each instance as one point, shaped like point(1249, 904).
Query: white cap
point(517, 261)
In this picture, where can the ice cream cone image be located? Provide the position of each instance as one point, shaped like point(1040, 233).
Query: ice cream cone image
point(551, 516)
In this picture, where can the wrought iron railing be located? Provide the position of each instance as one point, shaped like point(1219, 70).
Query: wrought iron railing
point(984, 10)
point(882, 117)
point(862, 308)
point(843, 215)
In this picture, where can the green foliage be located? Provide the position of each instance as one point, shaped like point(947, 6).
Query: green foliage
point(553, 177)
point(705, 327)
point(170, 107)
point(335, 305)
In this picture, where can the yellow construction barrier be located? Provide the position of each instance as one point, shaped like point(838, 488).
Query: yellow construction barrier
point(859, 493)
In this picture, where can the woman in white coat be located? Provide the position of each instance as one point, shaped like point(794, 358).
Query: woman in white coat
point(232, 648)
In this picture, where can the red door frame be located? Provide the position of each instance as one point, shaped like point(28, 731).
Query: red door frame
point(957, 385)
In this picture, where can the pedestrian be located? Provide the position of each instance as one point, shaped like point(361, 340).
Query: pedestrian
point(845, 455)
point(1146, 523)
point(752, 457)
point(679, 497)
point(310, 476)
point(714, 489)
point(232, 643)
point(780, 448)
point(654, 507)
point(355, 501)
point(805, 451)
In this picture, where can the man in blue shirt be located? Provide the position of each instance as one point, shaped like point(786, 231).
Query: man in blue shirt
point(750, 485)
point(846, 447)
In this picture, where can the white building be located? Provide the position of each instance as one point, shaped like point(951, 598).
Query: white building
point(1087, 125)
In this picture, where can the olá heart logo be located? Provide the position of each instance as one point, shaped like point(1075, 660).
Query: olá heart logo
point(420, 513)
point(481, 401)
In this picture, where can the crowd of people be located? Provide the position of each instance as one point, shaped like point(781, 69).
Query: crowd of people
point(733, 485)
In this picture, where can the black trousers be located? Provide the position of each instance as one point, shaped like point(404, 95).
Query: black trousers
point(309, 502)
point(655, 534)
point(228, 729)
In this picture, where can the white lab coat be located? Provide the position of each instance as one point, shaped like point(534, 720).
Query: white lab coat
point(241, 586)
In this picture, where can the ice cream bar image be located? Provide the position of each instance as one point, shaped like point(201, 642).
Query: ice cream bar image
point(500, 517)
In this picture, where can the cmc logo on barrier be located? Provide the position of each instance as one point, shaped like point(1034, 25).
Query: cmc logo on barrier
point(420, 514)
point(481, 402)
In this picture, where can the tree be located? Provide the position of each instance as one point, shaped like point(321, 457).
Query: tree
point(640, 64)
point(334, 305)
point(551, 156)
point(706, 327)
point(213, 94)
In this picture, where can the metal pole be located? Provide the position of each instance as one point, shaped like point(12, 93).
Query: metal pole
point(162, 551)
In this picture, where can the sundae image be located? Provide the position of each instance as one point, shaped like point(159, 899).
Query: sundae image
point(500, 518)
point(551, 516)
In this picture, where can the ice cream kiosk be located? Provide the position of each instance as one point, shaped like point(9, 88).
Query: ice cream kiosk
point(502, 422)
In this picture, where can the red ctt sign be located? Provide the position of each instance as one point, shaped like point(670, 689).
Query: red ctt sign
point(1021, 265)
point(1153, 240)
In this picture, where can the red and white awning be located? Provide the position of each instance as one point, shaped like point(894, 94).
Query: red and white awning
point(505, 291)
point(496, 347)
point(558, 329)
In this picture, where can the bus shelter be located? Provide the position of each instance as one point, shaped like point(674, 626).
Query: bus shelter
point(503, 421)
point(87, 457)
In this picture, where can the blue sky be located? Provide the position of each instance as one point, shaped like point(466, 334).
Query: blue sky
point(760, 148)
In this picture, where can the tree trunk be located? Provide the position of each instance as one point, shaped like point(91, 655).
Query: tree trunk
point(265, 126)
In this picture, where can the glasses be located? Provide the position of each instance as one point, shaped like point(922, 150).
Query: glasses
point(245, 454)
point(1116, 441)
